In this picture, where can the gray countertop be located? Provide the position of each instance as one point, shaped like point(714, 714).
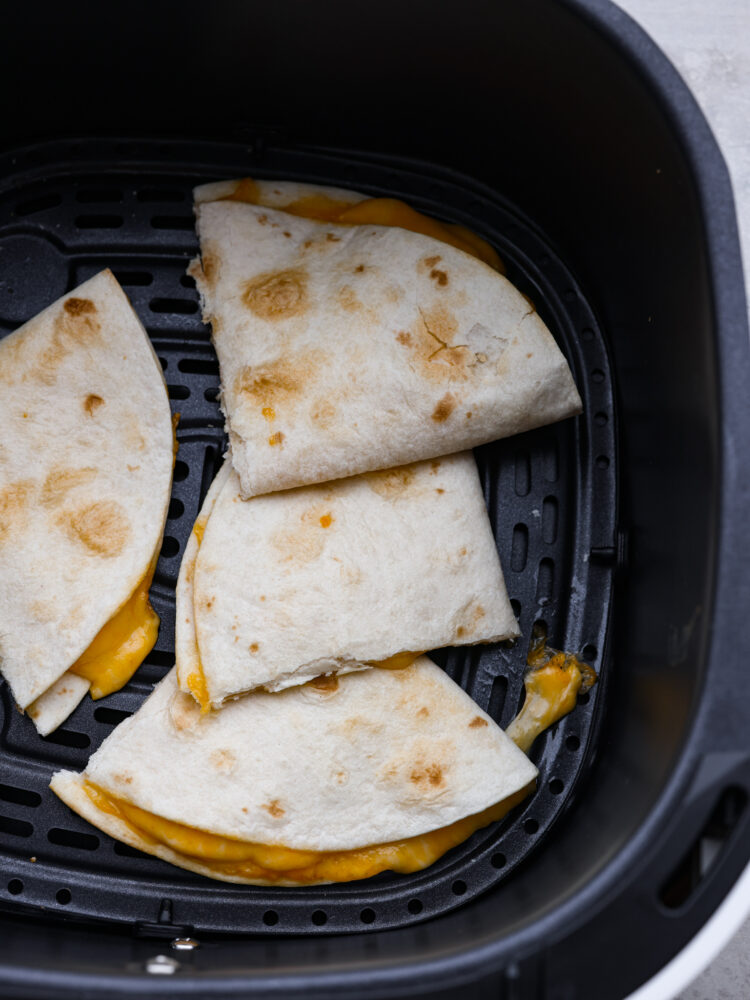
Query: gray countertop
point(709, 43)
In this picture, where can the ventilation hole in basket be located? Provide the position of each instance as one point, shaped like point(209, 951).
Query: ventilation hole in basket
point(73, 838)
point(199, 366)
point(597, 375)
point(111, 716)
point(185, 307)
point(367, 916)
point(68, 738)
point(161, 658)
point(414, 906)
point(519, 549)
point(549, 520)
point(181, 471)
point(126, 851)
point(40, 204)
point(583, 699)
point(96, 196)
point(179, 223)
point(211, 394)
point(170, 547)
point(187, 281)
point(601, 419)
point(176, 509)
point(522, 474)
point(160, 194)
point(270, 918)
point(459, 887)
point(98, 221)
point(178, 392)
point(164, 363)
point(15, 887)
point(587, 333)
point(497, 697)
point(319, 917)
point(602, 462)
point(63, 896)
point(550, 463)
point(134, 278)
point(516, 605)
point(20, 796)
point(498, 860)
point(16, 827)
point(545, 582)
point(531, 826)
point(556, 786)
point(572, 743)
point(589, 652)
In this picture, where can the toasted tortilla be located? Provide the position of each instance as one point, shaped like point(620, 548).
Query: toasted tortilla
point(350, 348)
point(377, 757)
point(85, 476)
point(332, 578)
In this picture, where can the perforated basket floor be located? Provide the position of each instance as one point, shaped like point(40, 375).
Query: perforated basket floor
point(69, 209)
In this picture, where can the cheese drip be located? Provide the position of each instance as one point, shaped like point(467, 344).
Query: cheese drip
point(124, 642)
point(376, 212)
point(238, 858)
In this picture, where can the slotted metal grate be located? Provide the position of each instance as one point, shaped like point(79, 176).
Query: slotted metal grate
point(69, 209)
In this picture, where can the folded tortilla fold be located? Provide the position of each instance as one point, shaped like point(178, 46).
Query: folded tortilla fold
point(85, 476)
point(337, 577)
point(345, 348)
point(326, 782)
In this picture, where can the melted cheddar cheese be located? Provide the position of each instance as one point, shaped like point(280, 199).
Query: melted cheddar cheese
point(227, 856)
point(377, 212)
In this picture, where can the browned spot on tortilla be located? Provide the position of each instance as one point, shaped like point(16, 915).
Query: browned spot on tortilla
point(434, 466)
point(262, 220)
point(14, 500)
point(277, 295)
point(439, 489)
point(468, 415)
point(462, 551)
point(391, 483)
point(123, 778)
point(431, 348)
point(440, 277)
point(431, 261)
point(404, 338)
point(325, 682)
point(102, 526)
point(79, 307)
point(224, 760)
point(277, 438)
point(253, 647)
point(444, 408)
point(359, 268)
point(244, 809)
point(60, 482)
point(427, 775)
point(477, 722)
point(274, 808)
point(300, 539)
point(348, 300)
point(323, 412)
point(332, 238)
point(423, 712)
point(325, 521)
point(244, 190)
point(279, 383)
point(210, 261)
point(460, 631)
point(92, 403)
point(287, 233)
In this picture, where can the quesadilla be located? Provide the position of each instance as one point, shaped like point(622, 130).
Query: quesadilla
point(333, 781)
point(85, 477)
point(364, 572)
point(349, 346)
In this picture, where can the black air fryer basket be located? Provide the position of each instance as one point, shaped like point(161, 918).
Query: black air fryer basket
point(559, 133)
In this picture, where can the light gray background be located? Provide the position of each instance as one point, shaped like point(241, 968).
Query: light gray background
point(709, 43)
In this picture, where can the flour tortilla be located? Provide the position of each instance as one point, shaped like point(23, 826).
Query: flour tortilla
point(85, 475)
point(325, 579)
point(384, 756)
point(347, 348)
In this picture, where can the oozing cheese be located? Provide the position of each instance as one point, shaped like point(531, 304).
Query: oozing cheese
point(377, 212)
point(227, 856)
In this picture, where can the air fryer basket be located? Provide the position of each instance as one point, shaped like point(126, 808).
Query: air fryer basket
point(564, 136)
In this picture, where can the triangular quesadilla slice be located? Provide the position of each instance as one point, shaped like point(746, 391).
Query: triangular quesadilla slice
point(329, 782)
point(363, 572)
point(85, 476)
point(347, 346)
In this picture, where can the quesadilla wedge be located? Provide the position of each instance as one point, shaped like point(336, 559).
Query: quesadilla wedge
point(364, 572)
point(333, 781)
point(347, 346)
point(85, 476)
